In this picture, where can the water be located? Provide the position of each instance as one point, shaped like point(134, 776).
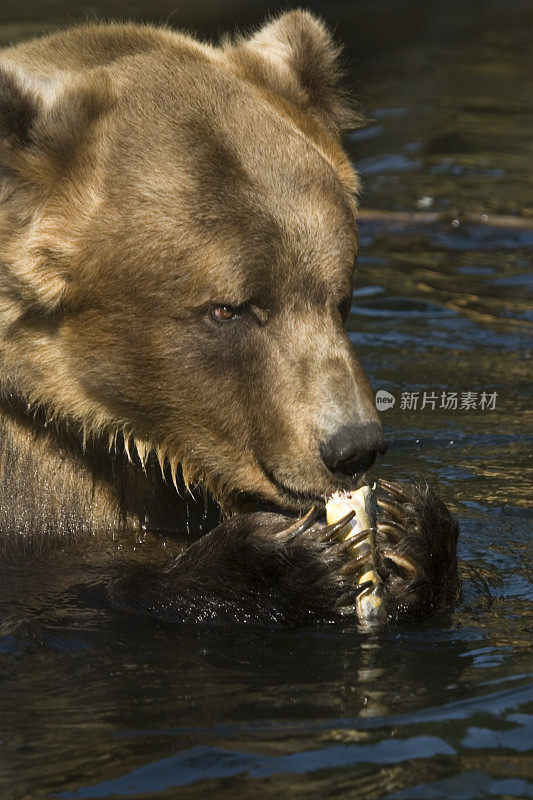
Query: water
point(95, 704)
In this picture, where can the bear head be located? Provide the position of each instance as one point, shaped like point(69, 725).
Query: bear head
point(177, 245)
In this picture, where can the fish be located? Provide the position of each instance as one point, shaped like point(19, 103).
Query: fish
point(361, 529)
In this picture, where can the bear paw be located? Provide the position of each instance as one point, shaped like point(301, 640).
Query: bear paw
point(270, 570)
point(416, 553)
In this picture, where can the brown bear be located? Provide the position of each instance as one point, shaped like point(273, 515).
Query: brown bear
point(177, 247)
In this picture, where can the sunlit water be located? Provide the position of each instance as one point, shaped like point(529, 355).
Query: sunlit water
point(96, 704)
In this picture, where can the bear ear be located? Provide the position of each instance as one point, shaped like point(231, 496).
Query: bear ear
point(43, 122)
point(18, 108)
point(45, 135)
point(295, 56)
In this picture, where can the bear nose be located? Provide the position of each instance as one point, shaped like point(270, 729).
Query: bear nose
point(353, 448)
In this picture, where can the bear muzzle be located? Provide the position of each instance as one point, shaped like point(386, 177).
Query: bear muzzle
point(353, 448)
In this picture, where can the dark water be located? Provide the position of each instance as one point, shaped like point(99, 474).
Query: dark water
point(93, 704)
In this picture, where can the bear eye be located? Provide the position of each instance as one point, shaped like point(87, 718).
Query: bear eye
point(224, 313)
point(345, 307)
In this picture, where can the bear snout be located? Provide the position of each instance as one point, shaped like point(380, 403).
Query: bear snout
point(353, 448)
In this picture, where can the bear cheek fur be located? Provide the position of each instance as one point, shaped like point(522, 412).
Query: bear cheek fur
point(133, 360)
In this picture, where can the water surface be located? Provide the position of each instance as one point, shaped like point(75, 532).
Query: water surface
point(94, 704)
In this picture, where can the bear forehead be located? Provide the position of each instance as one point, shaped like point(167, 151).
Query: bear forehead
point(227, 174)
point(195, 122)
point(214, 189)
point(182, 84)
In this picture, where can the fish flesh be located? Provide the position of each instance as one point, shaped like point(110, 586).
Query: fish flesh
point(361, 529)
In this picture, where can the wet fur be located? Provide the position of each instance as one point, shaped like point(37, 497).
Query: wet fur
point(252, 570)
point(429, 543)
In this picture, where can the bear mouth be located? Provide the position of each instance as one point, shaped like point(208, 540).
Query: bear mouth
point(295, 498)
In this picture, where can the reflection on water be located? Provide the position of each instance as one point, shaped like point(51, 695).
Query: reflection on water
point(93, 704)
